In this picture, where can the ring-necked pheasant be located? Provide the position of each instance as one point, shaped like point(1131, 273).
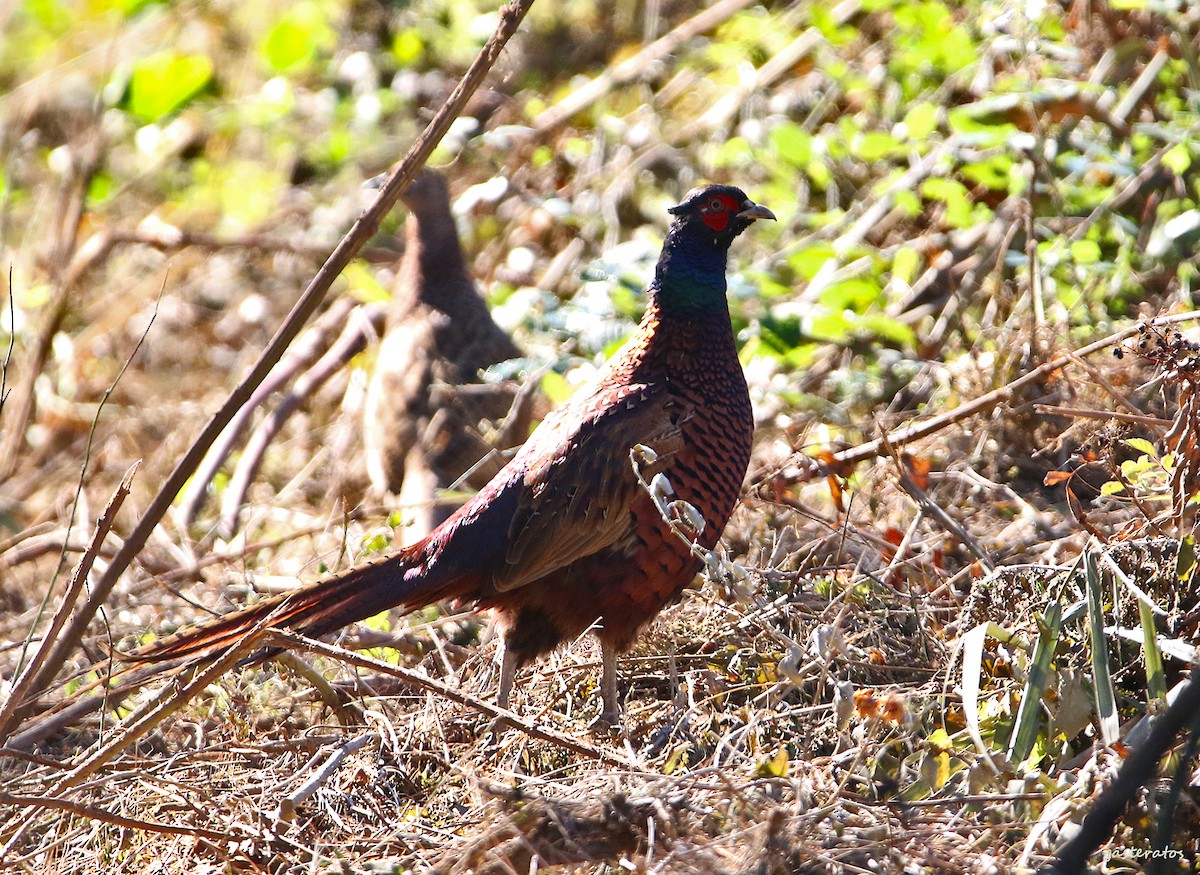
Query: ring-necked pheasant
point(420, 413)
point(564, 539)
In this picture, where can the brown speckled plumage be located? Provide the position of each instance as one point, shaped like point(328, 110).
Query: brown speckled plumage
point(564, 539)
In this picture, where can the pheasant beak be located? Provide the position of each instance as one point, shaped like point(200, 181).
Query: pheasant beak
point(751, 210)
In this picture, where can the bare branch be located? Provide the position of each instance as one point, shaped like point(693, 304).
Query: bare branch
point(510, 18)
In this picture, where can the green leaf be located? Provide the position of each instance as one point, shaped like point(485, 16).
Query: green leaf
point(1025, 728)
point(1156, 684)
point(907, 202)
point(873, 146)
point(774, 767)
point(1177, 159)
point(363, 285)
point(954, 195)
point(99, 189)
point(1147, 610)
point(934, 769)
point(734, 152)
point(1185, 561)
point(829, 326)
point(296, 39)
point(52, 15)
point(1085, 251)
point(408, 47)
point(1106, 700)
point(886, 328)
point(165, 81)
point(920, 121)
point(852, 294)
point(556, 387)
point(376, 542)
point(905, 264)
point(996, 173)
point(792, 143)
point(1141, 445)
point(819, 173)
point(808, 261)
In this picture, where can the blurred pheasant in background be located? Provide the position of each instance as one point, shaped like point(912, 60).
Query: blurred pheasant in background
point(424, 402)
point(564, 539)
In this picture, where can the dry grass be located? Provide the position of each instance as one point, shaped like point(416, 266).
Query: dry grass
point(805, 708)
point(785, 730)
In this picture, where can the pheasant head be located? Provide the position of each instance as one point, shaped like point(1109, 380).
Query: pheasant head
point(691, 269)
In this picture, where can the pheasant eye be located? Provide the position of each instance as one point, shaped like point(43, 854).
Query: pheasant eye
point(716, 204)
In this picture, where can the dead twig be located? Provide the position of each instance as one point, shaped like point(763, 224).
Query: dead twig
point(168, 237)
point(286, 811)
point(1139, 768)
point(632, 68)
point(169, 699)
point(74, 201)
point(1147, 177)
point(510, 18)
point(350, 343)
point(15, 706)
point(12, 342)
point(1104, 415)
point(935, 510)
point(299, 642)
point(91, 812)
point(898, 438)
point(781, 63)
point(59, 644)
point(84, 702)
point(1144, 82)
point(306, 350)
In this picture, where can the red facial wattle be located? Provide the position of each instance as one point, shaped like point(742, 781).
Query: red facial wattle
point(717, 212)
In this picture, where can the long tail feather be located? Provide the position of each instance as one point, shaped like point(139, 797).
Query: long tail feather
point(314, 609)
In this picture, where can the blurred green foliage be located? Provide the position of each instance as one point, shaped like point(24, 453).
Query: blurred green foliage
point(899, 129)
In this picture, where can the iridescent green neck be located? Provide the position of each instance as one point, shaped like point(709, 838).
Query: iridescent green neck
point(690, 276)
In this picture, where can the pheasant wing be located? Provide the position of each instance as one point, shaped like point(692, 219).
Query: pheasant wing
point(577, 495)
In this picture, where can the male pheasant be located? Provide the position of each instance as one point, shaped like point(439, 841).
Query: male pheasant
point(420, 413)
point(564, 539)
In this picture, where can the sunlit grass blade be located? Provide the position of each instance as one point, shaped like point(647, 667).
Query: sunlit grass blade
point(1156, 683)
point(1025, 726)
point(1106, 704)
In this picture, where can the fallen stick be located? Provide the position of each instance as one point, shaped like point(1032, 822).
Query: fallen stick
point(16, 705)
point(898, 438)
point(366, 225)
point(293, 641)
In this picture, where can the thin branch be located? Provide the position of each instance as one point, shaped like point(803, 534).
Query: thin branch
point(286, 812)
point(990, 400)
point(949, 523)
point(55, 658)
point(12, 341)
point(167, 701)
point(352, 341)
point(74, 198)
point(299, 642)
point(1156, 422)
point(91, 812)
point(1144, 82)
point(632, 68)
point(510, 18)
point(1138, 769)
point(779, 65)
point(306, 350)
point(15, 705)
